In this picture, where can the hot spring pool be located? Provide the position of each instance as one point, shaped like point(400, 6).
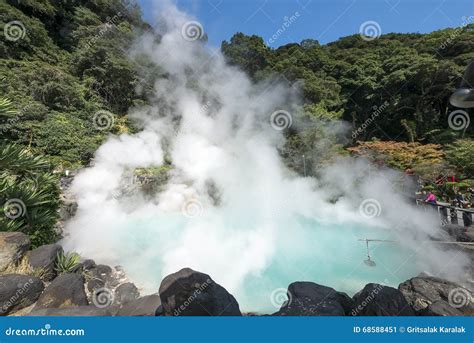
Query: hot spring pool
point(255, 262)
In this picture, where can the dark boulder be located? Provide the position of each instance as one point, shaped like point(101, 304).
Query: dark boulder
point(423, 291)
point(13, 246)
point(440, 308)
point(311, 299)
point(18, 291)
point(77, 311)
point(64, 291)
point(100, 276)
point(378, 300)
point(44, 257)
point(125, 293)
point(144, 306)
point(456, 231)
point(88, 264)
point(191, 293)
point(467, 235)
point(346, 302)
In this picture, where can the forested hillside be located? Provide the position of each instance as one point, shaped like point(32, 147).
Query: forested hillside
point(409, 76)
point(72, 63)
point(69, 63)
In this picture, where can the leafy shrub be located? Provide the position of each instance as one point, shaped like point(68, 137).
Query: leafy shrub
point(29, 194)
point(461, 155)
point(67, 262)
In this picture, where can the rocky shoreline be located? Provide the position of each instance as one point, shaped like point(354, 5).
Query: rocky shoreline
point(101, 290)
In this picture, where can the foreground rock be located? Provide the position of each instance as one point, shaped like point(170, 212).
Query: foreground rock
point(82, 311)
point(437, 297)
point(460, 233)
point(66, 290)
point(13, 246)
point(311, 299)
point(191, 293)
point(18, 291)
point(378, 300)
point(440, 308)
point(126, 293)
point(101, 276)
point(144, 306)
point(44, 257)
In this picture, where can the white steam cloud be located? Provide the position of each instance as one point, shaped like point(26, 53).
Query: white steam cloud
point(255, 225)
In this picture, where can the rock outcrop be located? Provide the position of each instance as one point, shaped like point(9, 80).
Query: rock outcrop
point(311, 299)
point(13, 246)
point(191, 293)
point(378, 300)
point(18, 291)
point(44, 258)
point(77, 311)
point(64, 291)
point(144, 306)
point(126, 293)
point(437, 297)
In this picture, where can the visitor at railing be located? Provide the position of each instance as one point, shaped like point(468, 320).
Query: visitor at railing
point(431, 198)
point(459, 200)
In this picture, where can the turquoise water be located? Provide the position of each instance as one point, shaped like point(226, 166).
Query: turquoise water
point(256, 266)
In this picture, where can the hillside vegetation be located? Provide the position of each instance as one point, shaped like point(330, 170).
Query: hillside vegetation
point(70, 66)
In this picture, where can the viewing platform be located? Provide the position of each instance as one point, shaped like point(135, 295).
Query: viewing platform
point(450, 214)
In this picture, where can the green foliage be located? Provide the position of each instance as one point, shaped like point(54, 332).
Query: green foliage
point(70, 63)
point(248, 52)
point(461, 155)
point(29, 194)
point(67, 262)
point(346, 79)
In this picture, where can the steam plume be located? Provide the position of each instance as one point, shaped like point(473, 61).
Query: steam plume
point(231, 208)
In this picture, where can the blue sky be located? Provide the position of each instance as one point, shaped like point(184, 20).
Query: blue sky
point(324, 20)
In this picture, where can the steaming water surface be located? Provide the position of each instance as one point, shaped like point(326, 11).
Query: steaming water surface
point(262, 226)
point(310, 251)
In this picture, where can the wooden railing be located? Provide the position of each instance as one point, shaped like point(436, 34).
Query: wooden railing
point(451, 214)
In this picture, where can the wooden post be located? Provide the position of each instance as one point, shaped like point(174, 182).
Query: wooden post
point(467, 218)
point(443, 212)
point(454, 215)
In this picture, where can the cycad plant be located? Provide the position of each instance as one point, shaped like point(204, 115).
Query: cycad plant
point(67, 262)
point(29, 192)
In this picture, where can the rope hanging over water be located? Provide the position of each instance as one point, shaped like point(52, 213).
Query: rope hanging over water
point(371, 263)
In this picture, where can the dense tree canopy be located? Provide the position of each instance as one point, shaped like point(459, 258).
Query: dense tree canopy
point(70, 63)
point(412, 74)
point(386, 99)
